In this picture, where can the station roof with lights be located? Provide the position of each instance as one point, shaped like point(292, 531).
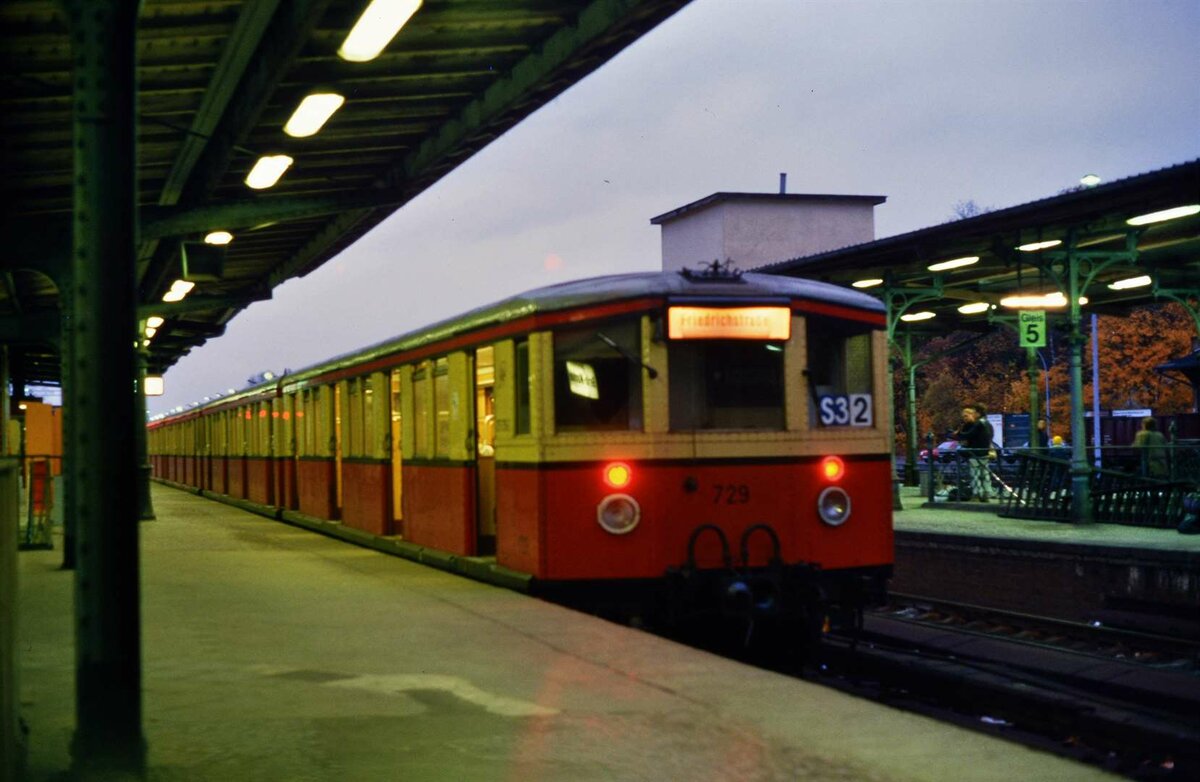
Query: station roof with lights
point(1138, 237)
point(220, 85)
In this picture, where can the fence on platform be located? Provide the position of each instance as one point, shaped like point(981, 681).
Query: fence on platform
point(1127, 487)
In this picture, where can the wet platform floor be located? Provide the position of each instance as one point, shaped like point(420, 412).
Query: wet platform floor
point(273, 653)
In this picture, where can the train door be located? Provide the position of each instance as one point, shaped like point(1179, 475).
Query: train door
point(338, 398)
point(485, 447)
point(397, 451)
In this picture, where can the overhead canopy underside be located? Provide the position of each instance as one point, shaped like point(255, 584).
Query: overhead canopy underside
point(217, 81)
point(1090, 222)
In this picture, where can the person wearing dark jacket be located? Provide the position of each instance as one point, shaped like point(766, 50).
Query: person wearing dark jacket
point(974, 435)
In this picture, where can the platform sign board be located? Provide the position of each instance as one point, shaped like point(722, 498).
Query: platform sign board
point(1031, 331)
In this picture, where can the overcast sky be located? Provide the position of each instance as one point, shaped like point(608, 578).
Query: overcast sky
point(927, 103)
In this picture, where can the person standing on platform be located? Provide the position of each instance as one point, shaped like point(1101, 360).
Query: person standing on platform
point(975, 439)
point(1152, 449)
point(1040, 439)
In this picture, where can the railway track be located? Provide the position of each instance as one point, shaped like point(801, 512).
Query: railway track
point(1125, 701)
point(1107, 641)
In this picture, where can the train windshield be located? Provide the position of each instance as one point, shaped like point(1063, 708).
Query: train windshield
point(839, 373)
point(596, 385)
point(726, 384)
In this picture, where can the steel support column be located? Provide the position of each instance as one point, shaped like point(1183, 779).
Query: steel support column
point(1081, 474)
point(1031, 368)
point(100, 441)
point(910, 443)
point(143, 455)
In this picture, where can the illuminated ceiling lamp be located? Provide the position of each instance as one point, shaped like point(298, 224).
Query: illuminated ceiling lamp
point(974, 308)
point(1131, 282)
point(954, 263)
point(179, 289)
point(871, 283)
point(376, 28)
point(1038, 300)
point(312, 113)
point(1089, 180)
point(1164, 215)
point(1034, 247)
point(918, 316)
point(267, 171)
point(218, 238)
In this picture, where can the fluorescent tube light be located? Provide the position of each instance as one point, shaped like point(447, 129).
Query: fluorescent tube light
point(179, 289)
point(866, 283)
point(267, 170)
point(974, 308)
point(956, 263)
point(313, 112)
point(918, 316)
point(1131, 282)
point(1036, 300)
point(376, 28)
point(1033, 247)
point(218, 238)
point(154, 321)
point(1166, 214)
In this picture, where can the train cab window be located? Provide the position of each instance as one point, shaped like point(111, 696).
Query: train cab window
point(726, 384)
point(598, 386)
point(839, 373)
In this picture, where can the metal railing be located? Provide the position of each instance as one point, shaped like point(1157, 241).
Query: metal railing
point(1036, 484)
point(1122, 488)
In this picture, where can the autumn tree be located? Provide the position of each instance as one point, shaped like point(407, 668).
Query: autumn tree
point(992, 370)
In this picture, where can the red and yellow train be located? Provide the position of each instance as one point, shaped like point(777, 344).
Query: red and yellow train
point(719, 437)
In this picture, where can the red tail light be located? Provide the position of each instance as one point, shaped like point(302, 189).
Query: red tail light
point(833, 468)
point(617, 475)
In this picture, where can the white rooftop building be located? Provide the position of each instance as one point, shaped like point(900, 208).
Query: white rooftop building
point(756, 229)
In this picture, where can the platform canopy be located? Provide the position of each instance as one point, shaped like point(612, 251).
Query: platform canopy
point(1023, 250)
point(217, 82)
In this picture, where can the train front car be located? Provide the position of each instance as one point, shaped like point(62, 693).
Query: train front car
point(723, 446)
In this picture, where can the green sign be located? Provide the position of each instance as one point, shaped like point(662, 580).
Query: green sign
point(1031, 328)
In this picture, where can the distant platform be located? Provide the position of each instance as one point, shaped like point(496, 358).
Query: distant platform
point(1142, 577)
point(272, 653)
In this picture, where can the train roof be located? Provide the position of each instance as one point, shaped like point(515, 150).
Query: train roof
point(721, 286)
point(607, 289)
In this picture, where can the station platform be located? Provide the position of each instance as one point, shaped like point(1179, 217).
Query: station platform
point(273, 653)
point(1143, 577)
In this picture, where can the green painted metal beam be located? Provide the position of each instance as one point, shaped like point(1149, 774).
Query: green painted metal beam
point(43, 327)
point(100, 407)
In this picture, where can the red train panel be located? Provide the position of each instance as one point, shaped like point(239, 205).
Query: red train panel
point(518, 519)
point(366, 496)
point(259, 483)
point(676, 499)
point(285, 479)
point(439, 507)
point(316, 494)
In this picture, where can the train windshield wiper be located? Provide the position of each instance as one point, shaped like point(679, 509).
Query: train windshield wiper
point(600, 335)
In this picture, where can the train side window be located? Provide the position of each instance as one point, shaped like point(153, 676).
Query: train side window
point(726, 384)
point(597, 386)
point(421, 406)
point(839, 360)
point(354, 414)
point(441, 401)
point(522, 387)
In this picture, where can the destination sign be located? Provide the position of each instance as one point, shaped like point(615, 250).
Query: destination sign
point(729, 323)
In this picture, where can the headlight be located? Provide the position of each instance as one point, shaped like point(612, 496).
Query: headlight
point(618, 514)
point(834, 506)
